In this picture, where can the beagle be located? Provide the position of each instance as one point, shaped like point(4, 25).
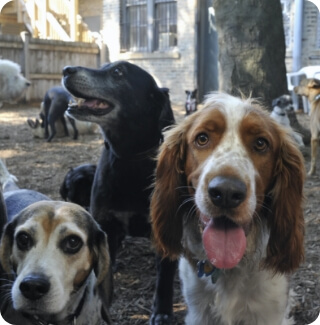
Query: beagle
point(59, 258)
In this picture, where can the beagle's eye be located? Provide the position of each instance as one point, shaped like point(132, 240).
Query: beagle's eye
point(24, 241)
point(261, 145)
point(71, 244)
point(117, 72)
point(202, 139)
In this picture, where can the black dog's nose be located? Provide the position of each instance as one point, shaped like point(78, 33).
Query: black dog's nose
point(34, 286)
point(67, 71)
point(227, 192)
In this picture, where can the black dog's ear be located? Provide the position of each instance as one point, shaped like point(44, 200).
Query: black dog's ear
point(103, 272)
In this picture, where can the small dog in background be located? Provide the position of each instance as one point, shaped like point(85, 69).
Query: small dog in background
point(38, 131)
point(77, 184)
point(12, 83)
point(281, 106)
point(310, 88)
point(191, 101)
point(55, 102)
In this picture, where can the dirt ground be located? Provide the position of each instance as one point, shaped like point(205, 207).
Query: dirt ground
point(42, 166)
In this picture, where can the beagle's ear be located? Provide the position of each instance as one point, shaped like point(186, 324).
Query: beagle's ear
point(285, 250)
point(103, 272)
point(6, 247)
point(166, 203)
point(3, 212)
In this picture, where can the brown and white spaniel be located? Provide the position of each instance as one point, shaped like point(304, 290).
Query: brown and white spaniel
point(228, 200)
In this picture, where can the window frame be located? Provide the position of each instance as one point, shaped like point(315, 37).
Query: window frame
point(152, 34)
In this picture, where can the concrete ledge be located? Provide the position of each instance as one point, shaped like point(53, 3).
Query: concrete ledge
point(150, 56)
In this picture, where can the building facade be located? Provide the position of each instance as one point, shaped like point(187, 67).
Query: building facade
point(308, 36)
point(182, 53)
point(166, 49)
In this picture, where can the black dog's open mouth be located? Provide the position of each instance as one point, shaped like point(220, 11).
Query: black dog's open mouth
point(91, 106)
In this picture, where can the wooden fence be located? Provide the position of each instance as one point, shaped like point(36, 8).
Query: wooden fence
point(42, 61)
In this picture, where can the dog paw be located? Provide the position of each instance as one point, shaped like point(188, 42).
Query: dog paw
point(161, 319)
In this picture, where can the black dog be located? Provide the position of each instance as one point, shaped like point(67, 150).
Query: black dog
point(191, 101)
point(131, 111)
point(56, 101)
point(77, 184)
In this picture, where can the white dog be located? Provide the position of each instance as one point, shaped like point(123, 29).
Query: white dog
point(12, 84)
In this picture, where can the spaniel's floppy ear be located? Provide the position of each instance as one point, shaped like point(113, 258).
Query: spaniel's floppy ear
point(166, 210)
point(285, 249)
point(103, 272)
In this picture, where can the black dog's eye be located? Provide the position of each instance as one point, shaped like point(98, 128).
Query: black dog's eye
point(117, 72)
point(202, 139)
point(24, 241)
point(71, 244)
point(261, 145)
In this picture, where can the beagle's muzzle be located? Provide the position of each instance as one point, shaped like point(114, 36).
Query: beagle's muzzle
point(59, 257)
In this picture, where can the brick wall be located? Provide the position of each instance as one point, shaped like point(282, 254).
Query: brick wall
point(175, 70)
point(310, 49)
point(178, 70)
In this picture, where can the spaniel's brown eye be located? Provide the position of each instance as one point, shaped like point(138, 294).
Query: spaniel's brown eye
point(261, 145)
point(202, 139)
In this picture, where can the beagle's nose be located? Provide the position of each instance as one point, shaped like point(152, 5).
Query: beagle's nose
point(34, 286)
point(227, 192)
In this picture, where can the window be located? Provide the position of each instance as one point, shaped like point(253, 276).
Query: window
point(148, 25)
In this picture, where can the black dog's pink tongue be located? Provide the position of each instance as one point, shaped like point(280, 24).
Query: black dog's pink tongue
point(224, 244)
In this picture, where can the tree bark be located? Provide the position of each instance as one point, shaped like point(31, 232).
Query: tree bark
point(251, 48)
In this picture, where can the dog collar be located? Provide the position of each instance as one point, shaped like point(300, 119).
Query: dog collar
point(316, 98)
point(205, 268)
point(69, 320)
point(140, 155)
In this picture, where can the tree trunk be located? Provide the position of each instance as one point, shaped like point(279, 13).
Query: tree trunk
point(251, 48)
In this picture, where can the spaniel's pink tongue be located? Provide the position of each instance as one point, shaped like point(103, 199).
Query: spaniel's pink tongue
point(224, 244)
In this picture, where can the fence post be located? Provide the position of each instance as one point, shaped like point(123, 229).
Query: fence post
point(26, 60)
point(74, 20)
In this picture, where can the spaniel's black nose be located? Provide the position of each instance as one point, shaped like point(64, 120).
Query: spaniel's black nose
point(227, 192)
